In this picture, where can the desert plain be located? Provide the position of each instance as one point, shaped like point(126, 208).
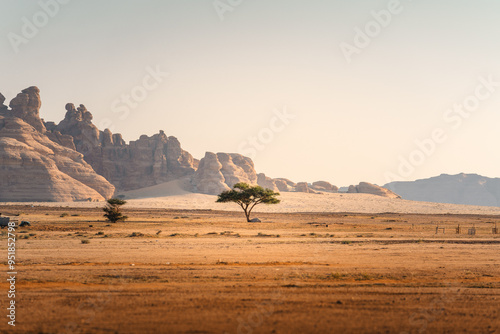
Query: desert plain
point(171, 269)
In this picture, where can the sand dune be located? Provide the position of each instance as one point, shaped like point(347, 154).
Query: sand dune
point(174, 196)
point(301, 202)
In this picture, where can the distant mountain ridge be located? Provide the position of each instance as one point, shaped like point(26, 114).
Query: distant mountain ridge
point(470, 189)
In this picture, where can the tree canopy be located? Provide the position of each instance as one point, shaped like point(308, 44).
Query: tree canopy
point(112, 210)
point(248, 197)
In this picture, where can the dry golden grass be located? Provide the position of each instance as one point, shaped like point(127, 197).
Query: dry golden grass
point(180, 271)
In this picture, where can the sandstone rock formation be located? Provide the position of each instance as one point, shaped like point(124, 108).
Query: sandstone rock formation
point(352, 189)
point(368, 188)
point(26, 105)
point(35, 168)
point(237, 168)
point(142, 163)
point(208, 178)
point(267, 182)
point(324, 186)
point(284, 184)
point(303, 187)
point(2, 100)
point(77, 123)
point(219, 172)
point(471, 189)
point(74, 160)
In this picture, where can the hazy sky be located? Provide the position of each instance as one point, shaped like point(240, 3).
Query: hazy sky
point(361, 81)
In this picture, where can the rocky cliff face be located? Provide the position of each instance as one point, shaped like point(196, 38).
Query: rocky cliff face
point(267, 182)
point(284, 184)
point(208, 178)
point(35, 168)
point(26, 106)
point(471, 189)
point(368, 188)
point(74, 160)
point(219, 172)
point(303, 187)
point(3, 107)
point(325, 186)
point(142, 163)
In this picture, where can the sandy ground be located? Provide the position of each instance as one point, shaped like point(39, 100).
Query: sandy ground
point(173, 196)
point(205, 271)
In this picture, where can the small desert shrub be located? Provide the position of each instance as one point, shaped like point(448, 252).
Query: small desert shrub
point(112, 210)
point(174, 234)
point(346, 242)
point(85, 241)
point(75, 215)
point(335, 276)
point(260, 234)
point(364, 277)
point(100, 233)
point(136, 234)
point(64, 215)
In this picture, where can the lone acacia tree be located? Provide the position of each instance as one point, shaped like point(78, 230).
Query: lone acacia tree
point(113, 211)
point(248, 197)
